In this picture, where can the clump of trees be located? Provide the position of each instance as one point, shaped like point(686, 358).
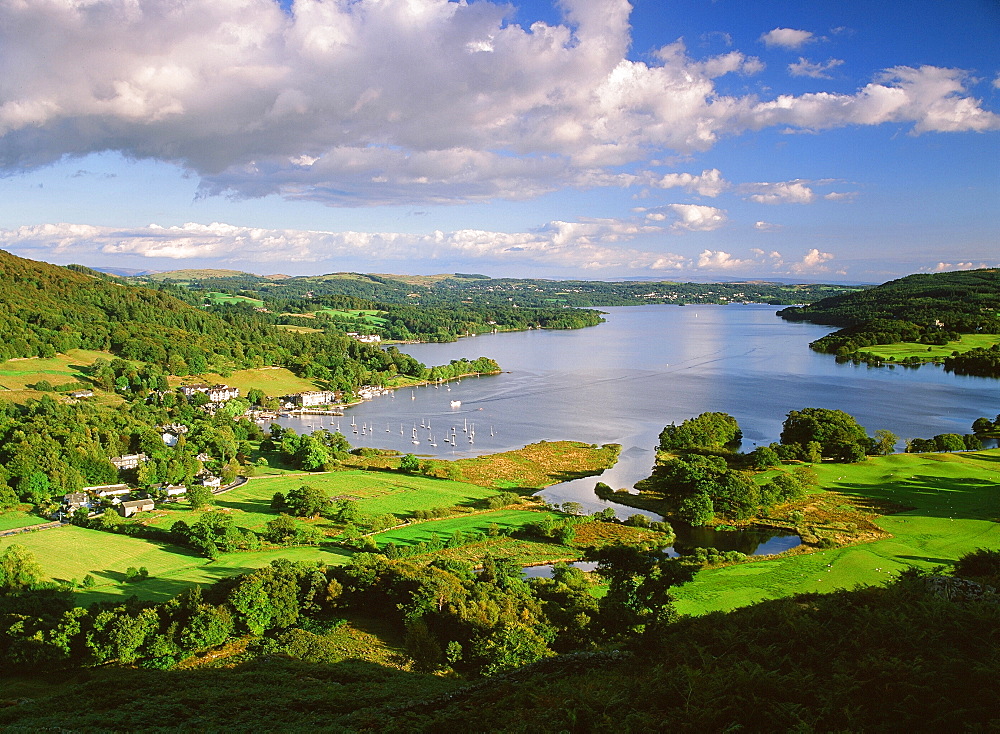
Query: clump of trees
point(707, 432)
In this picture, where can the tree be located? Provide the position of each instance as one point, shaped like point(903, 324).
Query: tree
point(281, 530)
point(572, 508)
point(200, 497)
point(834, 430)
point(763, 458)
point(709, 431)
point(697, 509)
point(885, 442)
point(18, 568)
point(307, 501)
point(409, 463)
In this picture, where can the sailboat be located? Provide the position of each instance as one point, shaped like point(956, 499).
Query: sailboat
point(386, 427)
point(415, 441)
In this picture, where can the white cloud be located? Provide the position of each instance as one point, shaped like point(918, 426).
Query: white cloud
point(787, 38)
point(814, 261)
point(944, 267)
point(931, 97)
point(766, 227)
point(397, 101)
point(804, 67)
point(719, 260)
point(696, 217)
point(841, 196)
point(783, 192)
point(708, 183)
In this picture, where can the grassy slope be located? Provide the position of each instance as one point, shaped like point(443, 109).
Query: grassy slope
point(17, 374)
point(19, 519)
point(273, 381)
point(422, 531)
point(956, 508)
point(71, 553)
point(902, 350)
point(215, 297)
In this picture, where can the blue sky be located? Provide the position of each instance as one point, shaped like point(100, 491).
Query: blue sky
point(679, 139)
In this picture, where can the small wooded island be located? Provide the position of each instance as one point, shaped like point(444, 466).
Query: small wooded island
point(158, 536)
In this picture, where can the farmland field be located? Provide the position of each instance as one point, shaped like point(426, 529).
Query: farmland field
point(17, 374)
point(421, 532)
point(216, 298)
point(902, 350)
point(19, 519)
point(70, 552)
point(273, 381)
point(955, 501)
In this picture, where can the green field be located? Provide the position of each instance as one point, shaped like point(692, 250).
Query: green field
point(421, 532)
point(273, 381)
point(19, 519)
point(70, 552)
point(217, 298)
point(368, 315)
point(956, 509)
point(17, 374)
point(927, 352)
point(377, 492)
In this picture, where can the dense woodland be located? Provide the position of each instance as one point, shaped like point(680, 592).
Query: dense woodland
point(931, 309)
point(627, 662)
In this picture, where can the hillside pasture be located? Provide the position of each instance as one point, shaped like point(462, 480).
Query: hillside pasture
point(216, 298)
point(955, 501)
point(377, 492)
point(14, 519)
point(273, 381)
point(70, 553)
point(18, 374)
point(932, 352)
point(421, 532)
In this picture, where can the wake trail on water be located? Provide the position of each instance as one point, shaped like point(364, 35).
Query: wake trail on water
point(578, 384)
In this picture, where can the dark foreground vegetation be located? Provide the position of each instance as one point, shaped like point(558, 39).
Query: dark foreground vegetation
point(919, 654)
point(924, 309)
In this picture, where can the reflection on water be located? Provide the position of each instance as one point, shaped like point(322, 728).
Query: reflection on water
point(750, 542)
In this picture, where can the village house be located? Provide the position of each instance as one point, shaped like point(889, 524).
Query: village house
point(216, 393)
point(129, 461)
point(80, 394)
point(75, 500)
point(170, 490)
point(108, 490)
point(211, 482)
point(130, 507)
point(365, 338)
point(315, 397)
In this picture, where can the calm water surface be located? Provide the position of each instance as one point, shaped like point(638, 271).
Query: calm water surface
point(623, 381)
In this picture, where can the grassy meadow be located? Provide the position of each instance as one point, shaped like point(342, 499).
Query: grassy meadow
point(217, 298)
point(930, 353)
point(952, 503)
point(19, 519)
point(69, 553)
point(273, 381)
point(17, 374)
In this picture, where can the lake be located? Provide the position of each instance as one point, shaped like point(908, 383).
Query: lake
point(648, 366)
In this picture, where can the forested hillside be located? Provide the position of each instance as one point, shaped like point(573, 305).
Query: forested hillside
point(46, 309)
point(480, 290)
point(931, 309)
